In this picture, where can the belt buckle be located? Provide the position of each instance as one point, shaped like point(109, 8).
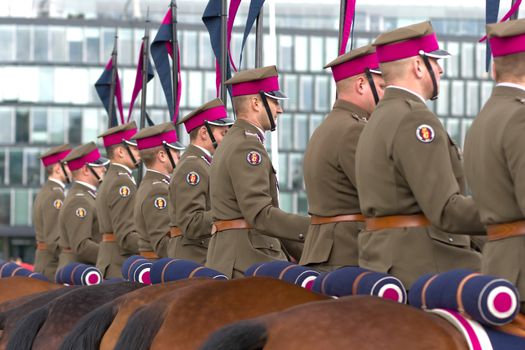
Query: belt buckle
point(213, 229)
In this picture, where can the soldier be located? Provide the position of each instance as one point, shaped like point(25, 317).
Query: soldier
point(78, 223)
point(407, 168)
point(115, 201)
point(189, 199)
point(46, 208)
point(160, 151)
point(243, 184)
point(329, 163)
point(495, 158)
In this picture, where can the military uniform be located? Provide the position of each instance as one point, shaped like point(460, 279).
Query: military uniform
point(189, 195)
point(78, 222)
point(46, 208)
point(150, 212)
point(407, 179)
point(495, 166)
point(115, 208)
point(329, 174)
point(243, 185)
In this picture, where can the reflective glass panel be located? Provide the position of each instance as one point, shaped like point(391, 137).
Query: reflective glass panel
point(33, 168)
point(16, 161)
point(5, 206)
point(22, 125)
point(41, 43)
point(6, 120)
point(39, 127)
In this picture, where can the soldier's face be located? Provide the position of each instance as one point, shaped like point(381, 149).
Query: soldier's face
point(100, 170)
point(438, 71)
point(275, 108)
point(219, 132)
point(136, 154)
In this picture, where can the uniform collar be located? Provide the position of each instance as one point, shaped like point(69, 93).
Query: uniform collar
point(199, 152)
point(58, 182)
point(205, 151)
point(250, 128)
point(124, 167)
point(395, 87)
point(156, 174)
point(509, 89)
point(85, 184)
point(351, 107)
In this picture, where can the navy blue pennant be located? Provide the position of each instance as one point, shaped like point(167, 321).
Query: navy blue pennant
point(491, 16)
point(255, 8)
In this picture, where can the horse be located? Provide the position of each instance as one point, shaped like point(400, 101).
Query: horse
point(18, 286)
point(54, 320)
point(183, 320)
point(354, 322)
point(101, 328)
point(10, 318)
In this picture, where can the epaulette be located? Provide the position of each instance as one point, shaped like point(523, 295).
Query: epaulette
point(58, 188)
point(247, 133)
point(79, 194)
point(93, 194)
point(413, 104)
point(191, 157)
point(163, 181)
point(358, 118)
point(206, 160)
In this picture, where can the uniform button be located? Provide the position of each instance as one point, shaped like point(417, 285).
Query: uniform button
point(301, 236)
point(271, 246)
point(450, 239)
point(202, 242)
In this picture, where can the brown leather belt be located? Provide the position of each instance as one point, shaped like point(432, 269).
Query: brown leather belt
point(109, 237)
point(506, 230)
point(148, 254)
point(224, 225)
point(41, 246)
point(320, 220)
point(175, 232)
point(67, 250)
point(396, 221)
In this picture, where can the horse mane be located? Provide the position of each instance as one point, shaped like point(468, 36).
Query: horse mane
point(142, 327)
point(88, 332)
point(242, 335)
point(26, 330)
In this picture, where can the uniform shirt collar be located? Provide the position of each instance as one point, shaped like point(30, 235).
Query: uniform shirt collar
point(60, 183)
point(91, 187)
point(204, 150)
point(512, 85)
point(123, 166)
point(407, 90)
point(158, 172)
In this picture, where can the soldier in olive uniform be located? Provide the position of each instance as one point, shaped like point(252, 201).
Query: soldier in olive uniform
point(407, 169)
point(495, 158)
point(189, 199)
point(329, 163)
point(46, 208)
point(159, 151)
point(115, 201)
point(79, 230)
point(248, 223)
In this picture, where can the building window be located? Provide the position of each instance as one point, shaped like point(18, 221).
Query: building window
point(39, 126)
point(7, 34)
point(75, 126)
point(75, 43)
point(306, 90)
point(301, 57)
point(296, 171)
point(21, 212)
point(33, 168)
point(195, 81)
point(322, 92)
point(46, 84)
point(126, 50)
point(301, 132)
point(458, 98)
point(315, 121)
point(316, 60)
point(56, 128)
point(283, 172)
point(286, 201)
point(452, 63)
point(290, 89)
point(206, 55)
point(481, 65)
point(486, 91)
point(302, 203)
point(93, 45)
point(442, 101)
point(331, 50)
point(2, 169)
point(472, 98)
point(467, 60)
point(189, 51)
point(285, 52)
point(23, 43)
point(6, 120)
point(5, 206)
point(285, 131)
point(22, 125)
point(454, 129)
point(41, 44)
point(90, 125)
point(16, 162)
point(58, 44)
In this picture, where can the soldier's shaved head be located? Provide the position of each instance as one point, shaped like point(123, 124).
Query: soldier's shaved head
point(396, 70)
point(148, 155)
point(240, 103)
point(510, 68)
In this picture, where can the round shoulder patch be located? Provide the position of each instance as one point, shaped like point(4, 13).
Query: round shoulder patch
point(193, 178)
point(160, 203)
point(81, 213)
point(57, 203)
point(124, 191)
point(425, 133)
point(254, 158)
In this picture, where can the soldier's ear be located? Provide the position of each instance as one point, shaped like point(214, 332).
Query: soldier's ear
point(417, 67)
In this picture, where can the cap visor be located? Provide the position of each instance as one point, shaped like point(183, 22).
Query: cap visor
point(222, 122)
point(277, 95)
point(176, 145)
point(438, 54)
point(131, 142)
point(99, 162)
point(376, 71)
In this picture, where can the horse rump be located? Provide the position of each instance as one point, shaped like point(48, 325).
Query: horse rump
point(243, 335)
point(26, 330)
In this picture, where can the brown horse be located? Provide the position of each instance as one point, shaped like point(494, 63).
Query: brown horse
point(17, 286)
point(9, 318)
point(356, 322)
point(101, 328)
point(183, 320)
point(53, 321)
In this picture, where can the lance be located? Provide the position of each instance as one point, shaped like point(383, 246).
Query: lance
point(515, 14)
point(342, 12)
point(114, 67)
point(145, 64)
point(175, 65)
point(259, 34)
point(223, 61)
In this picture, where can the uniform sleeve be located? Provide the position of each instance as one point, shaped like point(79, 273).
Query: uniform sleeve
point(189, 190)
point(50, 209)
point(514, 149)
point(156, 218)
point(121, 200)
point(427, 168)
point(348, 149)
point(250, 169)
point(79, 218)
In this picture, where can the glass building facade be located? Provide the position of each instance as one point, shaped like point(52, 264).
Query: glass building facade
point(48, 67)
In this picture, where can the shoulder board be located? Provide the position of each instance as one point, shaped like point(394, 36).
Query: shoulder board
point(79, 194)
point(124, 173)
point(358, 118)
point(192, 157)
point(413, 104)
point(206, 160)
point(163, 181)
point(58, 188)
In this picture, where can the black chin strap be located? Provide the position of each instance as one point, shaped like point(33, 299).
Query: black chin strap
point(268, 110)
point(167, 148)
point(210, 133)
point(432, 75)
point(95, 174)
point(133, 159)
point(63, 167)
point(370, 79)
